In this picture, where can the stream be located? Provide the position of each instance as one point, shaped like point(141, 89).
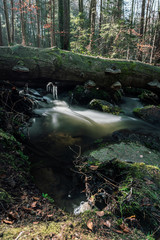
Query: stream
point(59, 132)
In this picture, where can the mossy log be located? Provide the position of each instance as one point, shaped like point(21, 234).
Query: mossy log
point(38, 66)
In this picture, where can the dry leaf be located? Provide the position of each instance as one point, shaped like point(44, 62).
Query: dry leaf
point(34, 204)
point(131, 217)
point(39, 211)
point(90, 224)
point(93, 168)
point(125, 228)
point(27, 209)
point(36, 198)
point(50, 215)
point(117, 231)
point(8, 222)
point(100, 213)
point(107, 224)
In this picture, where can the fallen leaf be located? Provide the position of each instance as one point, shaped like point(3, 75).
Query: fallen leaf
point(8, 222)
point(36, 198)
point(100, 213)
point(93, 168)
point(131, 217)
point(34, 204)
point(50, 215)
point(117, 231)
point(39, 211)
point(107, 224)
point(125, 228)
point(90, 224)
point(27, 209)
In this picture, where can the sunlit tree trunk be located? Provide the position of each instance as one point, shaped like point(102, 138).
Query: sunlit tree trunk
point(7, 21)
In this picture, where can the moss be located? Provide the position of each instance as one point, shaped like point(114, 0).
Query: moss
point(5, 197)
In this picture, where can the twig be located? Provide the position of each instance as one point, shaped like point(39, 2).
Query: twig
point(19, 235)
point(100, 175)
point(77, 153)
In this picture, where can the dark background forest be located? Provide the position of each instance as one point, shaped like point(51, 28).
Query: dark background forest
point(108, 28)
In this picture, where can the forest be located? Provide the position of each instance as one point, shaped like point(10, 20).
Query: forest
point(113, 29)
point(80, 119)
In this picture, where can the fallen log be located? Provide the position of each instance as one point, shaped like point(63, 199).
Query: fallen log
point(37, 66)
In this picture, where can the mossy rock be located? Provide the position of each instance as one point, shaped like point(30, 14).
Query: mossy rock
point(83, 96)
point(149, 113)
point(104, 106)
point(149, 97)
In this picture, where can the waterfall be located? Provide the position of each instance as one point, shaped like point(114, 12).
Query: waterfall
point(52, 89)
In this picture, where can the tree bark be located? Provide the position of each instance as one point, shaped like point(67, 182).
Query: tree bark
point(141, 29)
point(7, 21)
point(1, 38)
point(93, 21)
point(21, 7)
point(39, 66)
point(12, 23)
point(64, 23)
point(38, 23)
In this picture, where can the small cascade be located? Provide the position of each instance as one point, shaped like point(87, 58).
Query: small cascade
point(52, 89)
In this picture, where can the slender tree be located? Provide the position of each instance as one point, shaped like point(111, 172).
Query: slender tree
point(52, 16)
point(93, 20)
point(141, 29)
point(12, 22)
point(7, 21)
point(1, 39)
point(38, 23)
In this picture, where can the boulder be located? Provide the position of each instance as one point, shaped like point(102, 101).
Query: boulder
point(150, 114)
point(103, 106)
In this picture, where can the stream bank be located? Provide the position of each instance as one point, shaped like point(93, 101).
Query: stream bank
point(97, 223)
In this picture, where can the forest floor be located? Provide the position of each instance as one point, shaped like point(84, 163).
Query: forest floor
point(124, 198)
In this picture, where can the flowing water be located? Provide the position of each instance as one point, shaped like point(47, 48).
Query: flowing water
point(55, 134)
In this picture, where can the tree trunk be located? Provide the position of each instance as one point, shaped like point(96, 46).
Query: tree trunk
point(64, 23)
point(52, 15)
point(141, 30)
point(119, 9)
point(22, 23)
point(81, 8)
point(7, 21)
point(93, 20)
point(1, 38)
point(12, 23)
point(38, 24)
point(61, 19)
point(39, 66)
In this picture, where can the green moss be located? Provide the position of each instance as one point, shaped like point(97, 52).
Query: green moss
point(5, 197)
